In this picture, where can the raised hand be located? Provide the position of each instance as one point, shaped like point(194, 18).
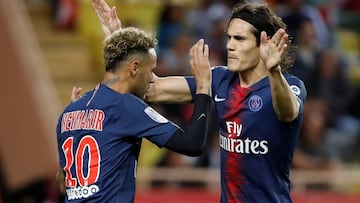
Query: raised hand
point(200, 65)
point(272, 50)
point(109, 20)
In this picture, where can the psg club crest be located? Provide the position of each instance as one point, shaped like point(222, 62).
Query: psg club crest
point(255, 103)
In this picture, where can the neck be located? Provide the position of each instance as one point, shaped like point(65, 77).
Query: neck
point(251, 76)
point(117, 83)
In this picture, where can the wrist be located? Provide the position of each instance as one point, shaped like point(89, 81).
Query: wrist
point(203, 88)
point(275, 70)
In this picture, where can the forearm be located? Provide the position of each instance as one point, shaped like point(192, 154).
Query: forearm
point(284, 100)
point(192, 141)
point(172, 89)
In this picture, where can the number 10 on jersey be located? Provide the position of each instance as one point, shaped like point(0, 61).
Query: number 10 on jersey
point(78, 161)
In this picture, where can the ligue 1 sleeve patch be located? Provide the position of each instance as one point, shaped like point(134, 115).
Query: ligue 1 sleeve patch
point(295, 89)
point(155, 116)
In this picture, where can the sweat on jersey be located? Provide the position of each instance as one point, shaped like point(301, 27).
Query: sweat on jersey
point(256, 148)
point(99, 139)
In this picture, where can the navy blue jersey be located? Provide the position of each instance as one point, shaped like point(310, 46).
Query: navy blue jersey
point(99, 139)
point(256, 148)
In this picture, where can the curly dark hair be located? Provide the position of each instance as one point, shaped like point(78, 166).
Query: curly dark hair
point(264, 19)
point(124, 43)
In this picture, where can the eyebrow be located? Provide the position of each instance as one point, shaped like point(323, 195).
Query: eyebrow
point(236, 36)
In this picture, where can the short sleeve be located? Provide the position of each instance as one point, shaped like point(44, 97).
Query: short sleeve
point(192, 85)
point(145, 122)
point(298, 88)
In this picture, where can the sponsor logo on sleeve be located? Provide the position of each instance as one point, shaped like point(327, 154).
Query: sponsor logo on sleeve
point(155, 116)
point(295, 89)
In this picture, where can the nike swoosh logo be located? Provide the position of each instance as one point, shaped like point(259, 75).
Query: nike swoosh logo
point(202, 115)
point(217, 99)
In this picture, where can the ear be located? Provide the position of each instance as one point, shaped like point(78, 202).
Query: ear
point(134, 67)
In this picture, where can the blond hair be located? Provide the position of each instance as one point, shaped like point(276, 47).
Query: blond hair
point(126, 42)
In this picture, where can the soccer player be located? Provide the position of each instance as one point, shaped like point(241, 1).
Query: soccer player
point(259, 106)
point(99, 135)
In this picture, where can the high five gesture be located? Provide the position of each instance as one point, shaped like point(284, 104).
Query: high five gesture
point(109, 20)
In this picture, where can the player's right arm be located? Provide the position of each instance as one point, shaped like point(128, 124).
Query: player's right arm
point(192, 142)
point(171, 89)
point(175, 89)
point(108, 18)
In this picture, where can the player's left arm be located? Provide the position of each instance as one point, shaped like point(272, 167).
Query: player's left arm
point(284, 101)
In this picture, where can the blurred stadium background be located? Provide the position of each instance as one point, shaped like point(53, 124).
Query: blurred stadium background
point(47, 47)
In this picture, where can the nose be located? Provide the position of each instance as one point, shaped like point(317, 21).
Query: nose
point(229, 45)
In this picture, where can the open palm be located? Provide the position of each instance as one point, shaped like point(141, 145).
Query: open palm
point(108, 17)
point(272, 50)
